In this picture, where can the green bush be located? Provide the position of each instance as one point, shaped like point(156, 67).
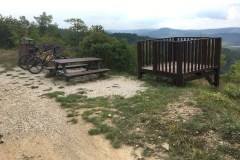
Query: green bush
point(234, 73)
point(214, 99)
point(115, 52)
point(232, 90)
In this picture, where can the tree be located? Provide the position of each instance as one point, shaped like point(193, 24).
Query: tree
point(114, 52)
point(43, 21)
point(6, 32)
point(78, 29)
point(97, 28)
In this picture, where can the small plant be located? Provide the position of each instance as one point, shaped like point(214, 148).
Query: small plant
point(22, 73)
point(73, 120)
point(54, 94)
point(60, 87)
point(232, 90)
point(48, 89)
point(34, 87)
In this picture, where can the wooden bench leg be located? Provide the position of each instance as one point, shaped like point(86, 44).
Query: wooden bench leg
point(140, 75)
point(67, 79)
point(216, 77)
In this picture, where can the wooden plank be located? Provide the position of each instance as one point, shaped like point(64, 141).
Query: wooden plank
point(83, 73)
point(67, 67)
point(74, 60)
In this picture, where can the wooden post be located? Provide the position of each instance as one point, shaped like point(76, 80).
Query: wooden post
point(179, 55)
point(218, 42)
point(154, 54)
point(139, 52)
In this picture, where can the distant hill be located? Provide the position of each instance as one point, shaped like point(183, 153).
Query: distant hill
point(231, 35)
point(131, 38)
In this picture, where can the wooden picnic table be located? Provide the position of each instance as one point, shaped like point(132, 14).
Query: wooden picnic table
point(68, 64)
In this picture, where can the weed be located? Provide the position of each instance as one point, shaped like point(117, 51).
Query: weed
point(8, 59)
point(48, 89)
point(60, 87)
point(72, 113)
point(34, 87)
point(73, 121)
point(54, 94)
point(232, 90)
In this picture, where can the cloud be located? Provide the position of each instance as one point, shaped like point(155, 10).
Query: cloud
point(132, 14)
point(213, 14)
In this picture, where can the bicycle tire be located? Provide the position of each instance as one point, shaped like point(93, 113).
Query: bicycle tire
point(22, 61)
point(35, 65)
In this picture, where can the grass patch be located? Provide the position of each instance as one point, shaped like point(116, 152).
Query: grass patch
point(34, 87)
point(9, 59)
point(60, 87)
point(48, 89)
point(139, 120)
point(73, 121)
point(54, 94)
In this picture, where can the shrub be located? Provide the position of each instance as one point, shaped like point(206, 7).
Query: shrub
point(234, 73)
point(115, 52)
point(232, 90)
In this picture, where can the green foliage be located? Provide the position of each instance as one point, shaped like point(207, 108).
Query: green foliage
point(131, 38)
point(234, 73)
point(77, 30)
point(214, 99)
point(97, 28)
point(229, 56)
point(44, 21)
point(54, 94)
point(114, 52)
point(6, 32)
point(9, 59)
point(232, 90)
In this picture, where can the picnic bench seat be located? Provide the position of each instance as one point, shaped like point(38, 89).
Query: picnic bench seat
point(68, 67)
point(83, 73)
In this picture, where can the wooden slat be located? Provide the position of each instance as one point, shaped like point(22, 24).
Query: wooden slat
point(73, 60)
point(188, 56)
point(83, 73)
point(165, 53)
point(68, 67)
point(213, 50)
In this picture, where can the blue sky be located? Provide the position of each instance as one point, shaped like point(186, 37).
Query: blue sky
point(132, 14)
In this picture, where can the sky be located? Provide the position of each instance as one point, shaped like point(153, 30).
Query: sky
point(131, 14)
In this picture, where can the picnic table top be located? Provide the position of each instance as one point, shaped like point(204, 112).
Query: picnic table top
point(72, 60)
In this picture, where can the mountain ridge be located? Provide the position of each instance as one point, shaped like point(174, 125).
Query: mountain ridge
point(230, 35)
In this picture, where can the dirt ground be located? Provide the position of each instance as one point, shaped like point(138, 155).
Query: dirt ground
point(33, 127)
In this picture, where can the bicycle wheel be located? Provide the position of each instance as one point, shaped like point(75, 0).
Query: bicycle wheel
point(22, 62)
point(35, 65)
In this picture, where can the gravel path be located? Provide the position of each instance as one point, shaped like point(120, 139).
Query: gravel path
point(34, 127)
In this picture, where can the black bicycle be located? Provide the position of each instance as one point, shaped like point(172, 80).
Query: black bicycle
point(36, 63)
point(34, 51)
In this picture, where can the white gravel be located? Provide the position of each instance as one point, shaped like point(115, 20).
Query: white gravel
point(35, 127)
point(122, 86)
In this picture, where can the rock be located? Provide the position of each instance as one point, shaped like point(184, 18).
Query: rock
point(138, 129)
point(165, 146)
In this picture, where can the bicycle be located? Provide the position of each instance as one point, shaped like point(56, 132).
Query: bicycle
point(22, 62)
point(36, 64)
